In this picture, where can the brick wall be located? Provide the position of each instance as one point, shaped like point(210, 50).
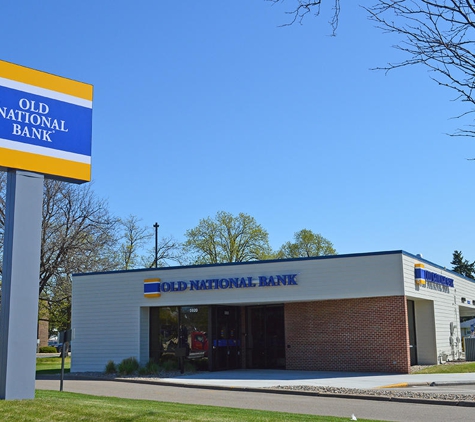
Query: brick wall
point(43, 332)
point(358, 335)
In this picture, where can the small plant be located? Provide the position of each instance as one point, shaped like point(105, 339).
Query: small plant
point(128, 366)
point(143, 371)
point(169, 365)
point(152, 367)
point(48, 349)
point(110, 368)
point(190, 367)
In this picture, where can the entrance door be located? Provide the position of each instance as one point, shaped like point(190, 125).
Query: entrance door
point(411, 319)
point(226, 338)
point(266, 337)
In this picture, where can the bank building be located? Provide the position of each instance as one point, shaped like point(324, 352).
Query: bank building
point(366, 312)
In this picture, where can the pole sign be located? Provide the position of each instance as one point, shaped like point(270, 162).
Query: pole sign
point(45, 123)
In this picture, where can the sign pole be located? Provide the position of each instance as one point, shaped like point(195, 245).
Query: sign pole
point(20, 285)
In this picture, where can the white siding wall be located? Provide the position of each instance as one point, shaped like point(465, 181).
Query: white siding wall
point(425, 332)
point(110, 312)
point(446, 306)
point(106, 322)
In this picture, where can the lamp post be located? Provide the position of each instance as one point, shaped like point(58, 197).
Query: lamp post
point(156, 225)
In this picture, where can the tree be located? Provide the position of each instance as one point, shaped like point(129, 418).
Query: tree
point(78, 233)
point(306, 244)
point(438, 34)
point(303, 8)
point(462, 266)
point(226, 238)
point(134, 238)
point(168, 249)
point(55, 305)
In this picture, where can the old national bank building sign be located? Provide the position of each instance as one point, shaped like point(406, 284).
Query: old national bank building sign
point(153, 287)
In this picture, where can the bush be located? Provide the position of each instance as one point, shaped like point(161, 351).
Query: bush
point(128, 366)
point(48, 349)
point(152, 367)
point(189, 367)
point(110, 368)
point(170, 365)
point(201, 364)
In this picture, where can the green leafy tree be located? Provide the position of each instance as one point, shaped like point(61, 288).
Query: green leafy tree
point(226, 238)
point(462, 266)
point(55, 305)
point(306, 244)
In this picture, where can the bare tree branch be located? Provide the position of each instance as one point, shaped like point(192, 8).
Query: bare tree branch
point(303, 8)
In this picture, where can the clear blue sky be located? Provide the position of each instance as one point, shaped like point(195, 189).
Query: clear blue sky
point(208, 106)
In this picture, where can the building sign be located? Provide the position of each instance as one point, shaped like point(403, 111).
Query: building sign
point(423, 276)
point(154, 287)
point(45, 123)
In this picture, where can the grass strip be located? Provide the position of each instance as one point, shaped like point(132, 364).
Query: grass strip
point(48, 366)
point(55, 405)
point(448, 368)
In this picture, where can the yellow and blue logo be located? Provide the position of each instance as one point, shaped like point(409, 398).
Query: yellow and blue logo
point(151, 287)
point(419, 274)
point(422, 276)
point(45, 123)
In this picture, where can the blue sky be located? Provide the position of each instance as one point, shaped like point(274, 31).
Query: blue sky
point(208, 106)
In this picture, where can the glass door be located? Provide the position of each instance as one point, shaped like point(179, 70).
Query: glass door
point(226, 338)
point(266, 337)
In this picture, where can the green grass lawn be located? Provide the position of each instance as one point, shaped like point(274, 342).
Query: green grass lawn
point(449, 368)
point(52, 365)
point(63, 406)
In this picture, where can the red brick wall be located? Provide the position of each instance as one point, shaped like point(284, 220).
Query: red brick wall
point(357, 335)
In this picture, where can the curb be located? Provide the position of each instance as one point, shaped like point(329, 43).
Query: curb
point(424, 384)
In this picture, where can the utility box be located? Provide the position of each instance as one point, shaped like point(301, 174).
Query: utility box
point(470, 349)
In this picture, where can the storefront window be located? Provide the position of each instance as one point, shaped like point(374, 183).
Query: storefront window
point(174, 329)
point(194, 322)
point(168, 322)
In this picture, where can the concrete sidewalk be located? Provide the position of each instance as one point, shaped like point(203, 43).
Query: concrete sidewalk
point(245, 378)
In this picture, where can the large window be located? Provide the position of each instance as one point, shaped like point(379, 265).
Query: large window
point(174, 329)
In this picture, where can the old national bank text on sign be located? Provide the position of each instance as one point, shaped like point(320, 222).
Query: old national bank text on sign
point(45, 123)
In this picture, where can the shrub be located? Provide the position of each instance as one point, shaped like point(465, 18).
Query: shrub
point(143, 371)
point(189, 367)
point(201, 364)
point(170, 365)
point(128, 366)
point(152, 367)
point(110, 368)
point(48, 349)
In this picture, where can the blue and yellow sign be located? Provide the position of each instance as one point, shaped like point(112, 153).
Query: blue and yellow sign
point(151, 287)
point(422, 276)
point(45, 123)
